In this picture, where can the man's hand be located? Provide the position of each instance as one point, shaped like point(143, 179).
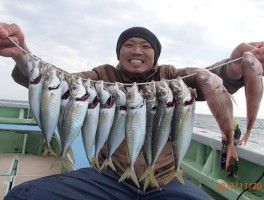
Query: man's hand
point(7, 48)
point(234, 70)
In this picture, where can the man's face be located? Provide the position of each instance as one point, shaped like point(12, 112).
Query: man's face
point(136, 56)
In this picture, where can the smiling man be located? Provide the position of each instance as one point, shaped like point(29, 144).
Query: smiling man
point(138, 51)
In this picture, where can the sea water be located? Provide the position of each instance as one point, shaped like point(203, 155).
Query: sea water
point(208, 122)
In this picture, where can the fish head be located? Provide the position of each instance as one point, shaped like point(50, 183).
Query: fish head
point(102, 91)
point(77, 89)
point(134, 98)
point(149, 92)
point(118, 92)
point(181, 92)
point(35, 72)
point(51, 79)
point(207, 79)
point(65, 85)
point(163, 91)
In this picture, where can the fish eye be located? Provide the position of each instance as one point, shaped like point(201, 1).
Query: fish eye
point(178, 91)
point(129, 96)
point(150, 95)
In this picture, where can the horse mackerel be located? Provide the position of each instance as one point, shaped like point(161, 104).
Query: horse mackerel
point(135, 130)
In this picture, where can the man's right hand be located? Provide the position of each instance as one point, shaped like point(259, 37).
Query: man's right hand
point(8, 48)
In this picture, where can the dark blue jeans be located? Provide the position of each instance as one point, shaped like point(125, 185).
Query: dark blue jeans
point(88, 184)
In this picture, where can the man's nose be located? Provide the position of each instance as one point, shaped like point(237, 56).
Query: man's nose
point(137, 49)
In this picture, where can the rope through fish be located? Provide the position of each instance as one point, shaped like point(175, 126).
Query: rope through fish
point(110, 83)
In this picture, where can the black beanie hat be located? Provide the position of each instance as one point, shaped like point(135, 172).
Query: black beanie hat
point(141, 33)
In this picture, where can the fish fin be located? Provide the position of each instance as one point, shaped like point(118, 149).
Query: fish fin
point(244, 139)
point(146, 173)
point(146, 184)
point(48, 151)
point(231, 152)
point(95, 163)
point(65, 164)
point(130, 172)
point(106, 163)
point(178, 173)
point(149, 178)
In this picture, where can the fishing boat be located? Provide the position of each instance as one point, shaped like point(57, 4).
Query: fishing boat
point(21, 159)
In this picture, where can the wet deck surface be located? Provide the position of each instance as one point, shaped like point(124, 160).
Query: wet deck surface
point(17, 168)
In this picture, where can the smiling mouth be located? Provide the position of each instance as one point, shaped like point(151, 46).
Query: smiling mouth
point(136, 61)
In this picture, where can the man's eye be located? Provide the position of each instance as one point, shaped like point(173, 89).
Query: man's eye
point(128, 45)
point(147, 46)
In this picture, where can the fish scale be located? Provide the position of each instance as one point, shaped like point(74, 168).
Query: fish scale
point(91, 121)
point(182, 125)
point(74, 115)
point(135, 130)
point(50, 104)
point(117, 132)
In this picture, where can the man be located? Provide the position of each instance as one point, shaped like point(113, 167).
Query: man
point(138, 50)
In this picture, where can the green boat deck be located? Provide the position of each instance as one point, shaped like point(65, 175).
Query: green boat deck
point(21, 147)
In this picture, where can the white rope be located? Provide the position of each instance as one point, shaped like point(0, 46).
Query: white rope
point(111, 83)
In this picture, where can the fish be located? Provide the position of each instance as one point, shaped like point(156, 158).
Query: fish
point(149, 93)
point(252, 75)
point(65, 96)
point(74, 114)
point(161, 128)
point(135, 130)
point(91, 121)
point(106, 118)
point(182, 124)
point(50, 104)
point(35, 87)
point(219, 101)
point(117, 132)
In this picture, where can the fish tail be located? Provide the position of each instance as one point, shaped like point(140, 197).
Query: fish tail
point(106, 163)
point(130, 172)
point(48, 151)
point(244, 139)
point(149, 178)
point(95, 163)
point(231, 152)
point(176, 173)
point(65, 164)
point(146, 173)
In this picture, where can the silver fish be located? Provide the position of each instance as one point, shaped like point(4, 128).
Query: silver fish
point(161, 127)
point(35, 88)
point(91, 121)
point(74, 115)
point(252, 74)
point(64, 100)
point(106, 118)
point(182, 124)
point(50, 103)
point(220, 103)
point(135, 130)
point(117, 132)
point(149, 93)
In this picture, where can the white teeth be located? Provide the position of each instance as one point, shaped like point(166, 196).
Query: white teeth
point(135, 61)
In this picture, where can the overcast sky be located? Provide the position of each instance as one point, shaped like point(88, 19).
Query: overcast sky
point(77, 35)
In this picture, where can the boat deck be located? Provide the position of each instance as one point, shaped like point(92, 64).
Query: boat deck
point(17, 168)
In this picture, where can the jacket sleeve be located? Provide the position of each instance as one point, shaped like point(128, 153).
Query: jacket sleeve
point(24, 81)
point(19, 77)
point(219, 68)
point(190, 78)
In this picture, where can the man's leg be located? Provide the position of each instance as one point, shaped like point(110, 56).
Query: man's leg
point(175, 190)
point(84, 183)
